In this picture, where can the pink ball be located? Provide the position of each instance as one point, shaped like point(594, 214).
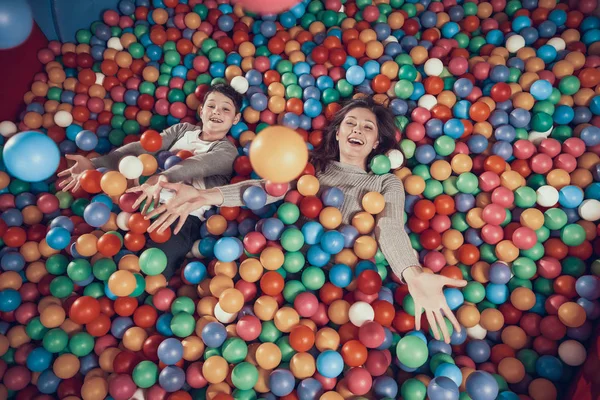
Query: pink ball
point(523, 149)
point(267, 6)
point(95, 105)
point(567, 162)
point(262, 64)
point(163, 298)
point(502, 196)
point(162, 107)
point(550, 147)
point(176, 83)
point(306, 304)
point(194, 377)
point(201, 64)
point(371, 334)
point(125, 22)
point(327, 383)
point(16, 378)
point(80, 99)
point(464, 361)
point(481, 70)
point(488, 181)
point(541, 163)
point(25, 312)
point(248, 328)
point(574, 146)
point(440, 223)
point(415, 131)
point(493, 214)
point(476, 94)
point(161, 92)
point(420, 115)
point(104, 342)
point(318, 70)
point(434, 260)
point(117, 93)
point(133, 83)
point(524, 238)
point(333, 5)
point(122, 387)
point(461, 148)
point(359, 381)
point(55, 46)
point(492, 234)
point(206, 27)
point(377, 363)
point(320, 317)
point(29, 292)
point(156, 393)
point(47, 203)
point(549, 267)
point(319, 122)
point(178, 109)
point(22, 352)
point(547, 76)
point(458, 66)
point(110, 17)
point(45, 56)
point(367, 298)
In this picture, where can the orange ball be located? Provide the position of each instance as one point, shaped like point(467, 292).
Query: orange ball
point(492, 319)
point(511, 369)
point(522, 298)
point(373, 202)
point(364, 222)
point(330, 217)
point(216, 225)
point(514, 336)
point(122, 283)
point(571, 314)
point(365, 247)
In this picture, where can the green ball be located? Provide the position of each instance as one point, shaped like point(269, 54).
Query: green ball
point(57, 264)
point(95, 290)
point(210, 352)
point(269, 332)
point(116, 137)
point(344, 88)
point(408, 147)
point(449, 327)
point(293, 91)
point(407, 72)
point(183, 324)
point(103, 268)
point(173, 58)
point(313, 278)
point(561, 133)
point(183, 304)
point(515, 283)
point(292, 289)
point(216, 55)
point(542, 234)
point(234, 350)
point(474, 292)
point(81, 344)
point(535, 253)
point(330, 95)
point(459, 222)
point(54, 94)
point(467, 182)
point(140, 286)
point(439, 359)
point(288, 213)
point(83, 36)
point(18, 186)
point(292, 239)
point(35, 330)
point(536, 181)
point(55, 340)
point(525, 197)
point(61, 287)
point(293, 261)
point(569, 85)
point(433, 189)
point(412, 351)
point(524, 268)
point(444, 145)
point(414, 389)
point(543, 286)
point(244, 394)
point(380, 164)
point(573, 266)
point(79, 269)
point(244, 376)
point(408, 304)
point(136, 50)
point(287, 352)
point(572, 235)
point(449, 186)
point(145, 374)
point(529, 359)
point(153, 261)
point(541, 122)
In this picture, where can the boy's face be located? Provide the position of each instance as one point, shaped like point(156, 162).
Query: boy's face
point(218, 115)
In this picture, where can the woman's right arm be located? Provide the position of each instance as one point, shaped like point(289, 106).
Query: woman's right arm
point(232, 195)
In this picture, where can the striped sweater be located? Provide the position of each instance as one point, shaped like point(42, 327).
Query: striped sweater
point(355, 183)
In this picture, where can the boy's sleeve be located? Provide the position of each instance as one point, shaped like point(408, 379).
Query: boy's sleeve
point(389, 229)
point(111, 160)
point(218, 161)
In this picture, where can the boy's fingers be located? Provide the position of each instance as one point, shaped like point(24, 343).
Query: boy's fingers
point(180, 223)
point(159, 221)
point(134, 189)
point(167, 223)
point(156, 211)
point(169, 185)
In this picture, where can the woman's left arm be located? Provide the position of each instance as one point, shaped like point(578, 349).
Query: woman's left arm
point(426, 289)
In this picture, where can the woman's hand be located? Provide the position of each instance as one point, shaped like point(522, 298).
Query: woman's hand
point(150, 191)
point(185, 200)
point(427, 293)
point(73, 174)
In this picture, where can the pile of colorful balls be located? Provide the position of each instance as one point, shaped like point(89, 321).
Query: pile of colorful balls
point(498, 105)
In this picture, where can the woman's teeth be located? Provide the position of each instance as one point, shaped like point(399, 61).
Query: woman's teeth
point(355, 141)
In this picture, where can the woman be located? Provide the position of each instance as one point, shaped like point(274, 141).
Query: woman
point(361, 130)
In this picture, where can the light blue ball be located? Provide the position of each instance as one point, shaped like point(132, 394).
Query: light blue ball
point(31, 156)
point(330, 364)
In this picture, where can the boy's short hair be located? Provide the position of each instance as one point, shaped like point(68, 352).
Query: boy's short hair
point(227, 91)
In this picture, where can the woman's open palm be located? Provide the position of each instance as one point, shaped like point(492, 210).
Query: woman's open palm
point(186, 199)
point(427, 291)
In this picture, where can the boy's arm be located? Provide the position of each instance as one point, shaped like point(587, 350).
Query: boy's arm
point(169, 136)
point(218, 161)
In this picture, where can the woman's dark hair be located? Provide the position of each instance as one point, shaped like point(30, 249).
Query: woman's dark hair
point(227, 91)
point(329, 150)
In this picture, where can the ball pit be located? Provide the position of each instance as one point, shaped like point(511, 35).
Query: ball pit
point(497, 106)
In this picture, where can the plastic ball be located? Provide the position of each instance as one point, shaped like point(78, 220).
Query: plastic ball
point(31, 156)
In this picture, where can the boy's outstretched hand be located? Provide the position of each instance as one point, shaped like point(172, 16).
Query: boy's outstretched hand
point(150, 191)
point(73, 174)
point(186, 200)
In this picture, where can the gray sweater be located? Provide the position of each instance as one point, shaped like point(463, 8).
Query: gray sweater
point(355, 183)
point(215, 166)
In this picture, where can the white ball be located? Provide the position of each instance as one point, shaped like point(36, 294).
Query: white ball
point(558, 43)
point(515, 43)
point(131, 167)
point(63, 118)
point(589, 210)
point(8, 128)
point(100, 78)
point(224, 317)
point(240, 84)
point(547, 196)
point(476, 332)
point(123, 220)
point(428, 101)
point(536, 137)
point(434, 67)
point(572, 353)
point(390, 39)
point(195, 250)
point(396, 158)
point(361, 312)
point(139, 394)
point(114, 43)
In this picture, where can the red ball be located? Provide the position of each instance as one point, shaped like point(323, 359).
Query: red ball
point(369, 282)
point(84, 310)
point(310, 207)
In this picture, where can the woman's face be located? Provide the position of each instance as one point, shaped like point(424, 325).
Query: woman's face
point(358, 136)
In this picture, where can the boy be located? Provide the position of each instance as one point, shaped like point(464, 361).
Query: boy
point(210, 166)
